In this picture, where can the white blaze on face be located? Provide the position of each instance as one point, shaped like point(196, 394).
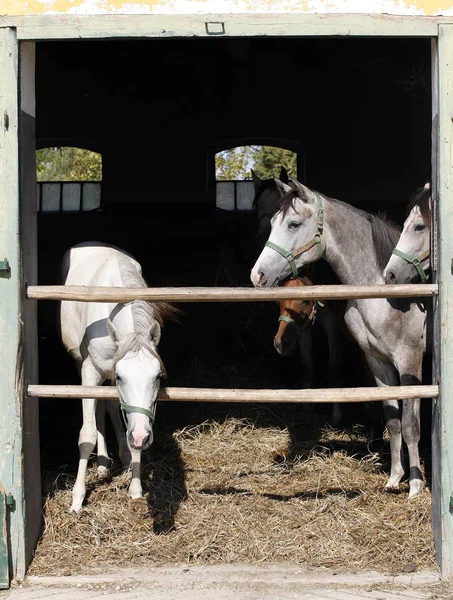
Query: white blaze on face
point(138, 382)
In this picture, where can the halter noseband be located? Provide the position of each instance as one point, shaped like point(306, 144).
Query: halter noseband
point(310, 319)
point(415, 261)
point(316, 241)
point(129, 408)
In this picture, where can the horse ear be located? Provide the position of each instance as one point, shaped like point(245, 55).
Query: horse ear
point(256, 180)
point(283, 175)
point(154, 333)
point(304, 193)
point(427, 186)
point(282, 187)
point(112, 331)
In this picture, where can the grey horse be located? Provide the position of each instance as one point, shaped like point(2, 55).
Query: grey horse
point(309, 226)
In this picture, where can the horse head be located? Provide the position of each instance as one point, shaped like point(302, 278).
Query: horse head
point(137, 371)
point(295, 316)
point(411, 257)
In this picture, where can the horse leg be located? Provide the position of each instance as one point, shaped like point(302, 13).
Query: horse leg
point(113, 409)
point(305, 347)
point(329, 324)
point(103, 461)
point(87, 435)
point(411, 428)
point(135, 488)
point(386, 374)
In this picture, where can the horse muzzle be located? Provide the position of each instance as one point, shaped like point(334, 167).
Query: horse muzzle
point(140, 437)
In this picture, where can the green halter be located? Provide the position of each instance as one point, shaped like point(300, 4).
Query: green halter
point(129, 408)
point(416, 261)
point(310, 319)
point(316, 241)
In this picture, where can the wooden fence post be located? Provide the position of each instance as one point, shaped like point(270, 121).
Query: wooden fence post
point(18, 424)
point(444, 325)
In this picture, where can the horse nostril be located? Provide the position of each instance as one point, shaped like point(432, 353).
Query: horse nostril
point(262, 278)
point(390, 277)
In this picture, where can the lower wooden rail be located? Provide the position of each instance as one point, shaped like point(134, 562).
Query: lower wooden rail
point(175, 394)
point(218, 294)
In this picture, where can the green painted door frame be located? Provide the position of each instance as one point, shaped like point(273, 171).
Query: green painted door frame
point(19, 456)
point(19, 435)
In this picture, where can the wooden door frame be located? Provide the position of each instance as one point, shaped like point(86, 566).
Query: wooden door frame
point(19, 434)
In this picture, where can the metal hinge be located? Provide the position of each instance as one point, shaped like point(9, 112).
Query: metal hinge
point(5, 269)
point(10, 500)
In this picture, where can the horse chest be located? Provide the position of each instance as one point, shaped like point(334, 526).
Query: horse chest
point(367, 324)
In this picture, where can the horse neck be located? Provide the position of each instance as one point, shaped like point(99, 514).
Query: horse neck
point(349, 245)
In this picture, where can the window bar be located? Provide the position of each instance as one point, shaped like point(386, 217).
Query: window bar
point(61, 196)
point(235, 197)
point(82, 191)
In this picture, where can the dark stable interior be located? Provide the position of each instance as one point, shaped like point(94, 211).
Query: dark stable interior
point(155, 109)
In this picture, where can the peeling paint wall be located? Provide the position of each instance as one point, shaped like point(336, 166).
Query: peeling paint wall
point(93, 7)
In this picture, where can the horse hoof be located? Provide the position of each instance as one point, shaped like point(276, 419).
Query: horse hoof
point(76, 508)
point(415, 487)
point(135, 492)
point(391, 487)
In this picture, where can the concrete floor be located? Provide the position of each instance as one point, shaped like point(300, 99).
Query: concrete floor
point(234, 582)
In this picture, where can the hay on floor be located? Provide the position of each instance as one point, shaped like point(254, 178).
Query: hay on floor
point(234, 492)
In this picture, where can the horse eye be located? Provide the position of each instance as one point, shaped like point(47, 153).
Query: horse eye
point(294, 225)
point(306, 301)
point(118, 378)
point(420, 227)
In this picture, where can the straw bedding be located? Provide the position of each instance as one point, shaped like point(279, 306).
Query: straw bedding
point(238, 491)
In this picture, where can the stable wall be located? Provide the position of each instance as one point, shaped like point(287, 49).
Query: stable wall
point(361, 108)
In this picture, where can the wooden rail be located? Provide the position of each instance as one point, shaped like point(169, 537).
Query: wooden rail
point(175, 394)
point(217, 294)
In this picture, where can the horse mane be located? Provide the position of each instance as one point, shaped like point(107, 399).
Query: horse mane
point(287, 201)
point(385, 234)
point(143, 315)
point(385, 237)
point(421, 199)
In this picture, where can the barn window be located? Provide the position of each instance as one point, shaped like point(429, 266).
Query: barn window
point(235, 189)
point(68, 179)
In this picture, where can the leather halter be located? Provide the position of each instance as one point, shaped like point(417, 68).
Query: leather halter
point(310, 319)
point(316, 241)
point(415, 261)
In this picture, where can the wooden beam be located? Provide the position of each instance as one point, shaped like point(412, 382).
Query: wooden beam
point(436, 462)
point(11, 347)
point(29, 317)
point(70, 26)
point(175, 394)
point(212, 294)
point(445, 311)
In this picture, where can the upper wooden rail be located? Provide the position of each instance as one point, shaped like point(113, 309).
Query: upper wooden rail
point(218, 294)
point(365, 394)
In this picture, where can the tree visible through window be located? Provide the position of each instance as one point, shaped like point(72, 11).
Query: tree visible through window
point(234, 186)
point(69, 179)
